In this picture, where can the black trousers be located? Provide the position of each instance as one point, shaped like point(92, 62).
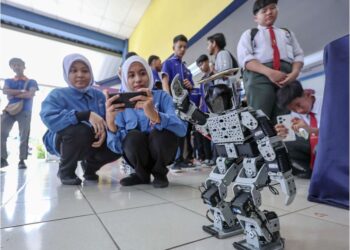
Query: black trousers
point(203, 146)
point(150, 153)
point(300, 152)
point(74, 144)
point(184, 143)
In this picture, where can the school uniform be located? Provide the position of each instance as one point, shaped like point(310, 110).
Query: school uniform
point(65, 112)
point(147, 147)
point(173, 66)
point(223, 61)
point(202, 143)
point(260, 91)
point(300, 150)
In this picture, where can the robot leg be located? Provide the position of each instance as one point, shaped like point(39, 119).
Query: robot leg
point(225, 223)
point(261, 231)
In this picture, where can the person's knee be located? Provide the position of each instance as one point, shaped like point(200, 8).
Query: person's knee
point(80, 134)
point(135, 140)
point(163, 140)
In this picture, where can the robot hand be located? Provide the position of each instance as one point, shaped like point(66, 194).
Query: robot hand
point(187, 110)
point(286, 180)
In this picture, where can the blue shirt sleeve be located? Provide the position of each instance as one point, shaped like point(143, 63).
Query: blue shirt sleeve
point(168, 117)
point(33, 85)
point(54, 115)
point(114, 140)
point(167, 69)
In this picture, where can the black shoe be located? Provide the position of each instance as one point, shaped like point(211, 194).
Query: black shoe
point(91, 177)
point(4, 163)
point(88, 176)
point(160, 182)
point(176, 167)
point(306, 175)
point(71, 181)
point(21, 164)
point(132, 180)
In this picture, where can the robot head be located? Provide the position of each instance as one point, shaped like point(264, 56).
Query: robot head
point(219, 98)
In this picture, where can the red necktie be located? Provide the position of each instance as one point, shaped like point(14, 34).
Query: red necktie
point(276, 53)
point(313, 139)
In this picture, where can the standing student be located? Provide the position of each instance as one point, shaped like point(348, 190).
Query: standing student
point(19, 90)
point(147, 134)
point(158, 76)
point(173, 66)
point(74, 117)
point(223, 58)
point(203, 143)
point(271, 57)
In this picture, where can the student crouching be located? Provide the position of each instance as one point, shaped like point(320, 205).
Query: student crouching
point(74, 117)
point(147, 134)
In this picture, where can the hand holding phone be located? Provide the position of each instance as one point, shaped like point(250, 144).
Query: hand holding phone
point(286, 121)
point(125, 98)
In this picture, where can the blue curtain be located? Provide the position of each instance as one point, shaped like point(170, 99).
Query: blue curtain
point(330, 178)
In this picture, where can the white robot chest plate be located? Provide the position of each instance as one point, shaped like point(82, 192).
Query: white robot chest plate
point(226, 128)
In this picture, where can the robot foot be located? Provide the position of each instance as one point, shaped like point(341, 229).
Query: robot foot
point(275, 245)
point(223, 234)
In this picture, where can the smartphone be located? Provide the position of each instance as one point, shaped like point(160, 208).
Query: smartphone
point(125, 98)
point(286, 120)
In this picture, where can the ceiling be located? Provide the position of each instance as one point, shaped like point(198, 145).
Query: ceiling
point(117, 18)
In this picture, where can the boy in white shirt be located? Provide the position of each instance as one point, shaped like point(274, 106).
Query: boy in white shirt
point(306, 113)
point(271, 57)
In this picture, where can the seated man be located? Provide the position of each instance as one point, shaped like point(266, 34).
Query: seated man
point(306, 113)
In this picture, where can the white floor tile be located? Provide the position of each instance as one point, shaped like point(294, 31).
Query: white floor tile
point(307, 233)
point(212, 243)
point(13, 214)
point(155, 227)
point(176, 193)
point(142, 217)
point(106, 202)
point(328, 213)
point(278, 201)
point(70, 234)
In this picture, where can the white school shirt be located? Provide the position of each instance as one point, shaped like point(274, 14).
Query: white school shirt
point(223, 61)
point(288, 46)
point(316, 109)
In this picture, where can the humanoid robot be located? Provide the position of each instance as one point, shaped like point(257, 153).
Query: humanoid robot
point(250, 157)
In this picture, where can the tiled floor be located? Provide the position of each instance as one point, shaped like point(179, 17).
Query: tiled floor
point(37, 212)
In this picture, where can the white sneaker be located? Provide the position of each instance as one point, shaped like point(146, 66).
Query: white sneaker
point(125, 168)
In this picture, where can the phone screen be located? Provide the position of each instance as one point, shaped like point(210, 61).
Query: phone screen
point(286, 120)
point(125, 98)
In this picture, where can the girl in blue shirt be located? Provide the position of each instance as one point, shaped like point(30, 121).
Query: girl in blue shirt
point(74, 117)
point(146, 135)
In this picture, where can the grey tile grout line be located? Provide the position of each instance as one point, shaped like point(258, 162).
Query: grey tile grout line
point(45, 221)
point(188, 186)
point(178, 205)
point(131, 208)
point(98, 217)
point(297, 211)
point(15, 194)
point(188, 243)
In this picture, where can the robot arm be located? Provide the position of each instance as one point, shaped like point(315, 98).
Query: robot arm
point(286, 180)
point(273, 151)
point(187, 110)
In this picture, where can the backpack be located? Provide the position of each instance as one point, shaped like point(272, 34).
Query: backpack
point(234, 61)
point(253, 32)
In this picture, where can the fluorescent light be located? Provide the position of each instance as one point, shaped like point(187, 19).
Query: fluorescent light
point(315, 57)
